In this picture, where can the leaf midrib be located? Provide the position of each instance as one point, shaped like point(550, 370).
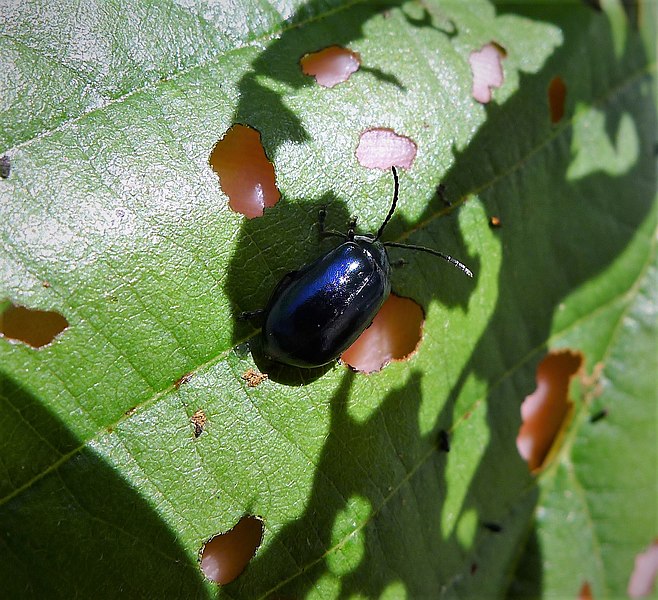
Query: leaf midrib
point(554, 135)
point(627, 297)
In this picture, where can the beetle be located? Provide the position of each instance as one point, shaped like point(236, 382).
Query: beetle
point(316, 313)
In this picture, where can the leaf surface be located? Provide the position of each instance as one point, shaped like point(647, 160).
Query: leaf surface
point(112, 217)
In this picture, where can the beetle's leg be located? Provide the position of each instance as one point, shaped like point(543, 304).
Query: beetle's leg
point(331, 233)
point(325, 233)
point(350, 229)
point(248, 315)
point(400, 262)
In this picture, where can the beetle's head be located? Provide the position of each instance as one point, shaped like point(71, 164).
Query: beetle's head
point(376, 250)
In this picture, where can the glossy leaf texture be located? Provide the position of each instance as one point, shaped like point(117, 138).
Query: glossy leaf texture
point(112, 217)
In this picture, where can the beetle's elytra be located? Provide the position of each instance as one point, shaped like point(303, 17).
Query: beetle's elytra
point(316, 313)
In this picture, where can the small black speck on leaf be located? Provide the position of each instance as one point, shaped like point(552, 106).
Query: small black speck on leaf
point(444, 441)
point(441, 192)
point(493, 527)
point(597, 416)
point(5, 166)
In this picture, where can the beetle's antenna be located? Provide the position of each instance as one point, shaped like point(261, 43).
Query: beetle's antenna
point(393, 205)
point(450, 259)
point(461, 266)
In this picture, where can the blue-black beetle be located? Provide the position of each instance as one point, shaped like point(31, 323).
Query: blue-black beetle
point(316, 313)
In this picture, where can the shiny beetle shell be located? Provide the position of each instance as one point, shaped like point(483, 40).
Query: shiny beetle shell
point(316, 313)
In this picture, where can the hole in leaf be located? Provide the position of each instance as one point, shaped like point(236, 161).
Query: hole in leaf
point(225, 556)
point(382, 148)
point(36, 328)
point(5, 166)
point(557, 93)
point(545, 412)
point(585, 592)
point(487, 69)
point(246, 176)
point(394, 335)
point(643, 577)
point(331, 66)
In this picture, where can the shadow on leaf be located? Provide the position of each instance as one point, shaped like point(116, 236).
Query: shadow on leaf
point(99, 540)
point(557, 234)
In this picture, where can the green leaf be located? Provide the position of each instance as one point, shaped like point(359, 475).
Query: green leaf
point(110, 112)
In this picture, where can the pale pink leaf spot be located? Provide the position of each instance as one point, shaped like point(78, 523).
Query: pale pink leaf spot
point(331, 66)
point(644, 574)
point(487, 69)
point(383, 149)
